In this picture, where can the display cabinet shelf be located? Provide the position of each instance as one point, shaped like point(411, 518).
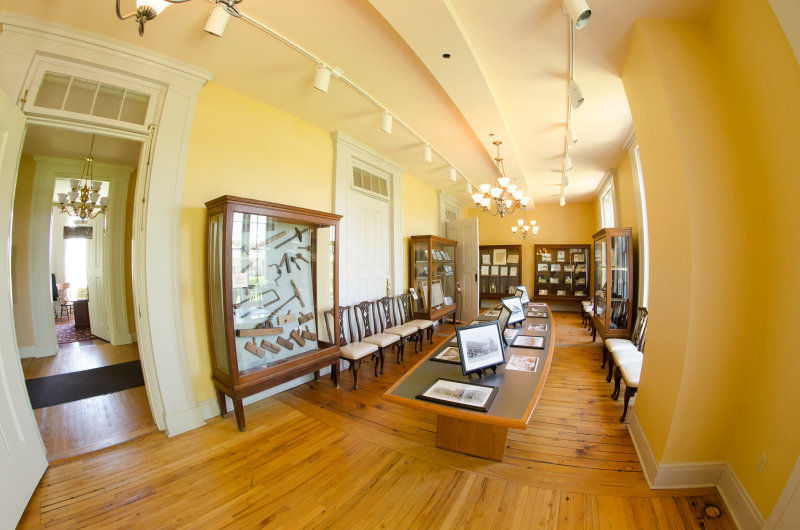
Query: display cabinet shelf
point(561, 272)
point(613, 281)
point(272, 273)
point(433, 276)
point(501, 270)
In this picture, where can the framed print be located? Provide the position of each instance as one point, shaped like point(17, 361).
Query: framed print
point(537, 314)
point(578, 258)
point(484, 270)
point(580, 281)
point(512, 271)
point(486, 259)
point(554, 279)
point(580, 268)
point(525, 341)
point(537, 327)
point(567, 279)
point(413, 292)
point(512, 258)
point(561, 255)
point(569, 267)
point(543, 267)
point(499, 256)
point(542, 292)
point(504, 270)
point(555, 267)
point(561, 292)
point(541, 279)
point(466, 395)
point(481, 346)
point(448, 355)
point(437, 297)
point(523, 363)
point(579, 293)
point(522, 292)
point(425, 295)
point(502, 320)
point(515, 305)
point(509, 334)
point(546, 256)
point(495, 270)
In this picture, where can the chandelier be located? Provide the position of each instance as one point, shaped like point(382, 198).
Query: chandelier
point(525, 230)
point(82, 201)
point(503, 198)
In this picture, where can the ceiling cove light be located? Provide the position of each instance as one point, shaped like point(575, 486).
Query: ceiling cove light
point(386, 122)
point(322, 78)
point(578, 11)
point(149, 9)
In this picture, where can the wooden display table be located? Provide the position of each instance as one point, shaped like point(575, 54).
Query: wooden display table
point(482, 434)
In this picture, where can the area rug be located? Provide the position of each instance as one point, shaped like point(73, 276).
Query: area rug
point(67, 333)
point(63, 388)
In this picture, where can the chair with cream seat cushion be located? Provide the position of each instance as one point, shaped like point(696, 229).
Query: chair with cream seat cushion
point(388, 321)
point(636, 342)
point(407, 317)
point(629, 372)
point(364, 325)
point(349, 350)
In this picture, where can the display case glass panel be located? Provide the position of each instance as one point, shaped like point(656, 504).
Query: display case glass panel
point(434, 276)
point(561, 272)
point(501, 270)
point(613, 282)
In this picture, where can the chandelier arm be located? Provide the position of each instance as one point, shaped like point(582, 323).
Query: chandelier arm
point(129, 15)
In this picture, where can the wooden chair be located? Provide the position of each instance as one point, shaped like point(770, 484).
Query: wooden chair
point(63, 299)
point(381, 340)
point(351, 351)
point(386, 319)
point(630, 373)
point(623, 350)
point(407, 317)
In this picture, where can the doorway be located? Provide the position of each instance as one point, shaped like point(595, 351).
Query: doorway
point(91, 393)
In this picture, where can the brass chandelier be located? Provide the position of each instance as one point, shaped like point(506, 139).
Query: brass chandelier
point(503, 198)
point(82, 200)
point(525, 229)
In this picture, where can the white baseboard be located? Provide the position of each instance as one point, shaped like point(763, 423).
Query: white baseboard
point(41, 350)
point(741, 507)
point(210, 408)
point(183, 421)
point(642, 445)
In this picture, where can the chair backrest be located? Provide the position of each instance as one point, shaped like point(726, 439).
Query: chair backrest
point(640, 329)
point(386, 310)
point(363, 313)
point(342, 322)
point(405, 303)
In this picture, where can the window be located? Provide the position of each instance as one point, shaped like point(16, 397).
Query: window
point(370, 182)
point(607, 206)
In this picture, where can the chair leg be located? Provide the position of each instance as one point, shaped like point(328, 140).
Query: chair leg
point(430, 334)
point(335, 374)
point(617, 378)
point(611, 365)
point(629, 393)
point(419, 342)
point(605, 355)
point(377, 358)
point(354, 368)
point(400, 347)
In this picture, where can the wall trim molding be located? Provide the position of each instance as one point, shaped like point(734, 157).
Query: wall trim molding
point(642, 445)
point(741, 507)
point(41, 350)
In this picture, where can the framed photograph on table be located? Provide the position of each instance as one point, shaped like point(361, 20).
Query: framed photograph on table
point(448, 355)
point(523, 363)
point(514, 304)
point(522, 292)
point(526, 341)
point(502, 320)
point(466, 395)
point(537, 314)
point(499, 256)
point(481, 346)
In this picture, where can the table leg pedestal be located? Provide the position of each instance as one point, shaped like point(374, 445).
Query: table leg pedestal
point(469, 437)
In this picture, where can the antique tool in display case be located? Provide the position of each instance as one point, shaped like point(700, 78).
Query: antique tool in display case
point(272, 273)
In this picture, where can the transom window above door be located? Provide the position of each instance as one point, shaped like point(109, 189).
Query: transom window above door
point(371, 183)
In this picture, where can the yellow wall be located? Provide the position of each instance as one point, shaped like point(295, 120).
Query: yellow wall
point(241, 147)
point(570, 224)
point(20, 250)
point(420, 212)
point(717, 379)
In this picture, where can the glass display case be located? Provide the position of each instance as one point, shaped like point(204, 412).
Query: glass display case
point(613, 282)
point(433, 276)
point(561, 272)
point(501, 270)
point(272, 272)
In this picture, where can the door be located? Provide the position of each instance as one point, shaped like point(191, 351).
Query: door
point(22, 457)
point(466, 233)
point(369, 260)
point(98, 306)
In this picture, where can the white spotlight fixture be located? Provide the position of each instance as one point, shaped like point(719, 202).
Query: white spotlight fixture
point(567, 163)
point(452, 173)
point(578, 11)
point(575, 94)
point(386, 122)
point(427, 154)
point(564, 180)
point(572, 138)
point(322, 79)
point(217, 20)
point(562, 199)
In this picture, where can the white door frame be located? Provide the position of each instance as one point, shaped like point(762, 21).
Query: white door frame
point(159, 193)
point(781, 518)
point(346, 150)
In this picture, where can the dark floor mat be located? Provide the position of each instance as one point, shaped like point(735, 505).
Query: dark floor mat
point(63, 388)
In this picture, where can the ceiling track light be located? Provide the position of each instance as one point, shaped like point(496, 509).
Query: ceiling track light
point(575, 94)
point(217, 20)
point(386, 122)
point(567, 163)
point(578, 11)
point(322, 78)
point(562, 199)
point(571, 137)
point(427, 154)
point(564, 180)
point(149, 9)
point(453, 174)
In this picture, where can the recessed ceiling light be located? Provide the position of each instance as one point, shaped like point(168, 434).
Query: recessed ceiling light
point(446, 55)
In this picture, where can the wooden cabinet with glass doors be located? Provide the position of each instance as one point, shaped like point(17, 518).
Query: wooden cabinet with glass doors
point(501, 270)
point(613, 282)
point(433, 276)
point(273, 274)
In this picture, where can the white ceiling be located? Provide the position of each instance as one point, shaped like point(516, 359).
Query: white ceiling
point(507, 75)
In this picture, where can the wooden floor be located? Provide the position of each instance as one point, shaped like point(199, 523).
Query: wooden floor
point(317, 456)
point(89, 424)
